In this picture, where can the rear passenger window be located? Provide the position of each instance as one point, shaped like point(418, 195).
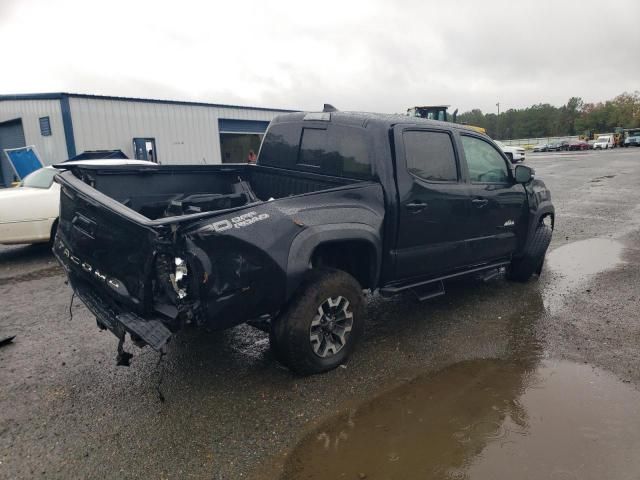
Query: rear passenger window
point(350, 144)
point(485, 164)
point(430, 155)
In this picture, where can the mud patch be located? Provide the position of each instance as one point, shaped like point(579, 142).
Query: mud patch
point(35, 275)
point(483, 419)
point(599, 179)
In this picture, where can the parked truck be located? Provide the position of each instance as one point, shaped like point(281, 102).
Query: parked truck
point(337, 204)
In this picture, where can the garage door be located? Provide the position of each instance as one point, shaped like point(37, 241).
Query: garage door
point(240, 138)
point(11, 136)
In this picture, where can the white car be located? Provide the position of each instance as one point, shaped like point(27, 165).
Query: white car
point(515, 154)
point(29, 212)
point(603, 142)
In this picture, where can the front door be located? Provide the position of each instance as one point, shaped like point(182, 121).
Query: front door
point(498, 204)
point(433, 203)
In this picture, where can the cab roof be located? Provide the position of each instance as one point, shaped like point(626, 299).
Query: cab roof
point(364, 119)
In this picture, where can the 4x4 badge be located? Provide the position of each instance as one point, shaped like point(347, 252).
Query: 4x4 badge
point(509, 223)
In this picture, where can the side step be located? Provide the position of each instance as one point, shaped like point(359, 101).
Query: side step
point(431, 290)
point(492, 269)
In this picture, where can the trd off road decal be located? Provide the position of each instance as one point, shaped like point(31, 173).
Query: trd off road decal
point(239, 222)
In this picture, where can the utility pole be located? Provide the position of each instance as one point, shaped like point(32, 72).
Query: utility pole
point(498, 121)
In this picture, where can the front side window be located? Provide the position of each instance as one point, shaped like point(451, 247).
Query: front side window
point(430, 155)
point(484, 162)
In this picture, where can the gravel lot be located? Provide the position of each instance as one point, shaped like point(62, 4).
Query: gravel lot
point(66, 410)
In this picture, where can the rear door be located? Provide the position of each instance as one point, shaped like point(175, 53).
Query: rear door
point(433, 203)
point(497, 203)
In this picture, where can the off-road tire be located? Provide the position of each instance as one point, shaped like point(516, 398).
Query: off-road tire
point(290, 331)
point(522, 268)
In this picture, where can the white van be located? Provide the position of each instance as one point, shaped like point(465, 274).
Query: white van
point(603, 142)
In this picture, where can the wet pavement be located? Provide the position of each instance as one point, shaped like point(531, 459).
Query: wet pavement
point(483, 419)
point(494, 369)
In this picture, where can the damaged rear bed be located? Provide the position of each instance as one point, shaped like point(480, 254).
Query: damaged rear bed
point(153, 249)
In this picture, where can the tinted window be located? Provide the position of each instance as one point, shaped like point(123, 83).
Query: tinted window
point(485, 164)
point(280, 145)
point(313, 147)
point(430, 155)
point(351, 146)
point(338, 150)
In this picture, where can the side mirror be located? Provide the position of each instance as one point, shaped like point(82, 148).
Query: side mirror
point(523, 174)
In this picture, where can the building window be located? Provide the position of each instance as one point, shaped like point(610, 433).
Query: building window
point(45, 126)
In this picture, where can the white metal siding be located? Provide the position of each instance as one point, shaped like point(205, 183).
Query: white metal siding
point(184, 134)
point(52, 149)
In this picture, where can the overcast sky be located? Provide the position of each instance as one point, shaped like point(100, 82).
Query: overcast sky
point(358, 55)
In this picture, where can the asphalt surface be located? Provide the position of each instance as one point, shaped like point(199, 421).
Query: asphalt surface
point(66, 410)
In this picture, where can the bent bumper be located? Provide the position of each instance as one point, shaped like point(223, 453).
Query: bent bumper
point(152, 332)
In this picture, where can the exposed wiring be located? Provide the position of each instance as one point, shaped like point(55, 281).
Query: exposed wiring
point(73, 295)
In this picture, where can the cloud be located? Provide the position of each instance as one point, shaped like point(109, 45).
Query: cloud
point(359, 55)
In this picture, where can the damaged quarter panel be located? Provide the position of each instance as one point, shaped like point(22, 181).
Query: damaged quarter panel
point(251, 261)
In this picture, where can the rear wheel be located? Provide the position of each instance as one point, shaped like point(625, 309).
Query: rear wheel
point(521, 269)
point(322, 324)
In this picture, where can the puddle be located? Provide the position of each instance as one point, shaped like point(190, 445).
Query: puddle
point(574, 264)
point(483, 419)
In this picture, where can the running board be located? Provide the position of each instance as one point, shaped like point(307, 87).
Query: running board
point(425, 293)
point(392, 290)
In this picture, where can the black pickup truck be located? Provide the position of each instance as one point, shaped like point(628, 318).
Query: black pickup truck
point(337, 204)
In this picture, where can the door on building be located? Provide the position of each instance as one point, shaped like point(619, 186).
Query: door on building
point(238, 138)
point(11, 136)
point(145, 149)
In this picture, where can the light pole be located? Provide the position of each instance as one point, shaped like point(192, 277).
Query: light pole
point(498, 121)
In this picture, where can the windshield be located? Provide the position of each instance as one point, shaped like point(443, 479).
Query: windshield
point(42, 178)
point(602, 139)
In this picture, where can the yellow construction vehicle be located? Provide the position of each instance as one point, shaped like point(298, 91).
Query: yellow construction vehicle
point(439, 112)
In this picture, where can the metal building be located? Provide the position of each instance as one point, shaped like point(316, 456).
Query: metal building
point(63, 125)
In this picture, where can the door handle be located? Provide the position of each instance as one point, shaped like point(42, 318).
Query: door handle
point(479, 202)
point(416, 206)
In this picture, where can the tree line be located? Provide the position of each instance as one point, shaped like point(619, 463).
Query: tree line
point(574, 118)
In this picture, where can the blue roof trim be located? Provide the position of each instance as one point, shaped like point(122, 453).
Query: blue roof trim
point(67, 124)
point(61, 95)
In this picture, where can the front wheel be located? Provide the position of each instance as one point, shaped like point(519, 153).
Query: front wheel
point(322, 324)
point(522, 268)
